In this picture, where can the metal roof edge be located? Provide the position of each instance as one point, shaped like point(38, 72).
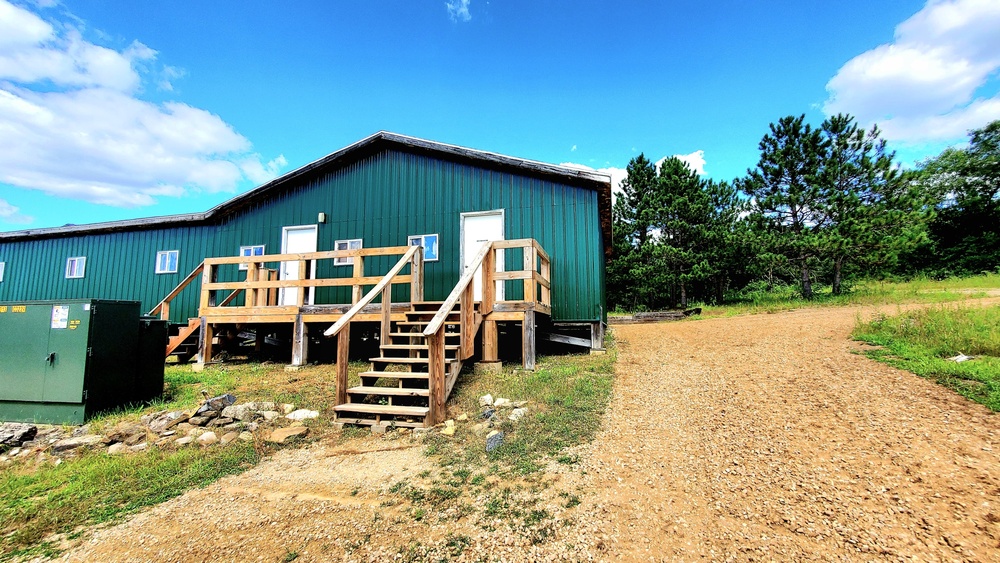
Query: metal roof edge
point(576, 174)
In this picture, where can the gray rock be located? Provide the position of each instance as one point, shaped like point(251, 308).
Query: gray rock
point(378, 429)
point(270, 415)
point(198, 420)
point(167, 421)
point(488, 413)
point(233, 426)
point(217, 404)
point(518, 414)
point(228, 437)
point(116, 448)
point(220, 422)
point(184, 441)
point(208, 438)
point(208, 414)
point(246, 437)
point(13, 434)
point(70, 444)
point(501, 402)
point(519, 404)
point(139, 447)
point(80, 431)
point(302, 414)
point(486, 401)
point(135, 439)
point(494, 441)
point(282, 434)
point(31, 444)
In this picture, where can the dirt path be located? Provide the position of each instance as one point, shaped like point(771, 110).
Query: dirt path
point(763, 437)
point(750, 438)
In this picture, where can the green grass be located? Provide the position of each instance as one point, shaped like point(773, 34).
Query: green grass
point(39, 501)
point(784, 298)
point(567, 395)
point(920, 341)
point(98, 488)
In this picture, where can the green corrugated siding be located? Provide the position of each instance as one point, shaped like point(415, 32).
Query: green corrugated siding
point(382, 199)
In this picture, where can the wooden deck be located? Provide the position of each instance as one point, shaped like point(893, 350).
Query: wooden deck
point(423, 344)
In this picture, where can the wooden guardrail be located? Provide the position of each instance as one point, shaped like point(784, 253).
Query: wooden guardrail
point(163, 307)
point(261, 291)
point(537, 290)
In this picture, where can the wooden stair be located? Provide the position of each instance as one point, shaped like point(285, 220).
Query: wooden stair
point(396, 388)
point(175, 342)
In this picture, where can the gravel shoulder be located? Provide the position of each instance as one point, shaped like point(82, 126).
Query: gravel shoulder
point(749, 438)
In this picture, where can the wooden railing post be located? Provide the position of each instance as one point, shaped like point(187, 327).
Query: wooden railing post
point(530, 258)
point(489, 283)
point(207, 299)
point(436, 384)
point(165, 311)
point(301, 291)
point(359, 272)
point(250, 299)
point(417, 277)
point(386, 314)
point(467, 315)
point(547, 276)
point(343, 350)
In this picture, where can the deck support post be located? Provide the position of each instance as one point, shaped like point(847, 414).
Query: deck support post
point(436, 383)
point(490, 337)
point(528, 340)
point(597, 336)
point(300, 342)
point(204, 344)
point(343, 351)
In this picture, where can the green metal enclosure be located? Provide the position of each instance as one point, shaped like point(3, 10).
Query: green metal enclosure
point(62, 360)
point(382, 190)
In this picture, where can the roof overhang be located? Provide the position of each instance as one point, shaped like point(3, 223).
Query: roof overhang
point(589, 179)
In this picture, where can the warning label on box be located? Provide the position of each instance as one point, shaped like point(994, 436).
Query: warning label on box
point(60, 316)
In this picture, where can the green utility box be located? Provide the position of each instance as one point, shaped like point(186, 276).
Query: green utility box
point(61, 361)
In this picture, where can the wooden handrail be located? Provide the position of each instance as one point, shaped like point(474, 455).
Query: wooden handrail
point(163, 307)
point(456, 293)
point(325, 254)
point(370, 296)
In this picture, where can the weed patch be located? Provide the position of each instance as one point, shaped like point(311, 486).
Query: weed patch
point(921, 341)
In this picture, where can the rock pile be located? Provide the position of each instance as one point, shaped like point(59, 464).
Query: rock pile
point(217, 420)
point(496, 420)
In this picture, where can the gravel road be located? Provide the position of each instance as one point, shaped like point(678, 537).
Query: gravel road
point(751, 438)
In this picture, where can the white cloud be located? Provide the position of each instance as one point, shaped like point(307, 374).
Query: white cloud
point(10, 214)
point(458, 10)
point(72, 124)
point(923, 86)
point(695, 161)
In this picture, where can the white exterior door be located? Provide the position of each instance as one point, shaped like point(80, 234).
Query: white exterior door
point(478, 228)
point(296, 240)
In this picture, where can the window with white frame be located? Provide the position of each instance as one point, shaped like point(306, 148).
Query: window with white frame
point(166, 261)
point(348, 244)
point(2, 265)
point(76, 266)
point(252, 250)
point(430, 244)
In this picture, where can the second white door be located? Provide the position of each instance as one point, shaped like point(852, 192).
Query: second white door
point(478, 228)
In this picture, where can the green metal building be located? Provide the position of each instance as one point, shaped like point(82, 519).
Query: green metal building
point(382, 191)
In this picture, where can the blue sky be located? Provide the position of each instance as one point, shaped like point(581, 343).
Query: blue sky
point(112, 110)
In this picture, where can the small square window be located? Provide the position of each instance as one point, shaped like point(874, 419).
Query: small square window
point(349, 244)
point(76, 266)
point(430, 244)
point(166, 261)
point(2, 264)
point(253, 250)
